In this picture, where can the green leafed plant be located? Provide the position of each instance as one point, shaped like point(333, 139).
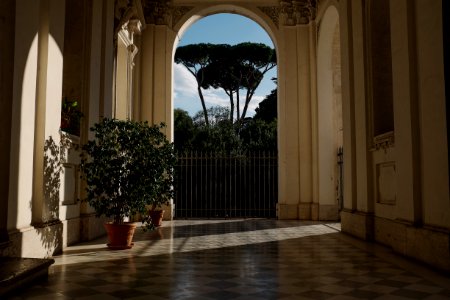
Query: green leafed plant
point(70, 116)
point(127, 166)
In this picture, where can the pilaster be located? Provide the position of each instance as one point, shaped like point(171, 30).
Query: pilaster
point(348, 99)
point(295, 122)
point(406, 123)
point(46, 179)
point(7, 19)
point(23, 113)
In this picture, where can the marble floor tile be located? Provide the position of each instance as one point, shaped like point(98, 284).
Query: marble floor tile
point(238, 259)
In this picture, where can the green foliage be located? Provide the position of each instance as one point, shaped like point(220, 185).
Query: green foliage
point(234, 69)
point(129, 165)
point(267, 109)
point(258, 134)
point(70, 116)
point(220, 138)
point(217, 114)
point(223, 136)
point(184, 130)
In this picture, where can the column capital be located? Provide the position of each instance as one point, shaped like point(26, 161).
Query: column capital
point(292, 12)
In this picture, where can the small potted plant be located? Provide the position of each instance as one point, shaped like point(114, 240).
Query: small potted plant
point(70, 116)
point(126, 167)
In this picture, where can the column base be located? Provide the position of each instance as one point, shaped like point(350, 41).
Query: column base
point(35, 242)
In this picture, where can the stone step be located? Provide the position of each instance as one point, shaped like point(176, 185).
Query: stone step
point(16, 272)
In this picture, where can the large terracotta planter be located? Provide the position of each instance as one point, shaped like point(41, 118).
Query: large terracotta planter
point(156, 216)
point(120, 235)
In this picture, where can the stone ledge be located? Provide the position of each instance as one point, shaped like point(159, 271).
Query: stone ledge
point(17, 272)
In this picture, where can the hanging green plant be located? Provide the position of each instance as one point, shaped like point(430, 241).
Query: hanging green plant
point(70, 116)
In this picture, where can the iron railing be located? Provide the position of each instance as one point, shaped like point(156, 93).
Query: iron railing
point(210, 185)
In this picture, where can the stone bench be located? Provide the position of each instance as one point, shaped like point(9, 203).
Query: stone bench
point(16, 272)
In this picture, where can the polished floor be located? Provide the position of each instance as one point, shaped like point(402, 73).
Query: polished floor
point(238, 259)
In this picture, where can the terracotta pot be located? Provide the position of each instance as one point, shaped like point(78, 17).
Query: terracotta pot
point(120, 235)
point(157, 216)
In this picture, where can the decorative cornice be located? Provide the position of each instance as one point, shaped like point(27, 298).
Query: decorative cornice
point(297, 12)
point(287, 13)
point(383, 141)
point(158, 12)
point(273, 12)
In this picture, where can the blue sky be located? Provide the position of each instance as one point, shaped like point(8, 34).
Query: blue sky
point(219, 29)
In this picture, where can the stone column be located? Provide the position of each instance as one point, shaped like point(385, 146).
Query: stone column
point(45, 203)
point(363, 164)
point(305, 128)
point(23, 113)
point(406, 123)
point(295, 121)
point(288, 126)
point(434, 146)
point(156, 75)
point(7, 19)
point(91, 226)
point(156, 82)
point(353, 114)
point(107, 54)
point(348, 112)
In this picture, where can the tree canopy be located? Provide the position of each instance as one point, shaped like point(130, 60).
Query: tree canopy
point(234, 69)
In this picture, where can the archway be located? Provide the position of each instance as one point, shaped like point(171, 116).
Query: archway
point(194, 15)
point(239, 177)
point(293, 30)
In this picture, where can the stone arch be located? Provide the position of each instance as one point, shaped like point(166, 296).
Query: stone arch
point(292, 27)
point(254, 14)
point(329, 108)
point(200, 12)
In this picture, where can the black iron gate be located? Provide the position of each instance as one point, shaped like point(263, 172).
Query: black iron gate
point(210, 185)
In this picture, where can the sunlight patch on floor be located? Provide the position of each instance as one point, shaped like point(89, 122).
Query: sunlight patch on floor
point(162, 241)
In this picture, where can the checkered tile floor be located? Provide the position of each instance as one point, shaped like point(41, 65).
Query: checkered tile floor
point(238, 259)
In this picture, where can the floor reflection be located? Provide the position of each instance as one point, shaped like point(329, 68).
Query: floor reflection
point(239, 259)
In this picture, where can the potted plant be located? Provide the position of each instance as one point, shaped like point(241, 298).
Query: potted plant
point(164, 189)
point(126, 167)
point(70, 116)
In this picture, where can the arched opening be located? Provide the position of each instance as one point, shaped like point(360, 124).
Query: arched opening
point(211, 30)
point(330, 138)
point(232, 173)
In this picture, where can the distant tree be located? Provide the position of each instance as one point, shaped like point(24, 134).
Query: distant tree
point(218, 138)
point(222, 136)
point(216, 114)
point(236, 68)
point(257, 134)
point(267, 108)
point(194, 58)
point(231, 68)
point(257, 60)
point(183, 130)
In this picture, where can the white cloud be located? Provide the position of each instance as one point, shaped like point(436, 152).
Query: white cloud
point(186, 96)
point(185, 84)
point(254, 104)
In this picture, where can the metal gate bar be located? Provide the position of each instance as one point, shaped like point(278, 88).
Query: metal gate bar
point(211, 185)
